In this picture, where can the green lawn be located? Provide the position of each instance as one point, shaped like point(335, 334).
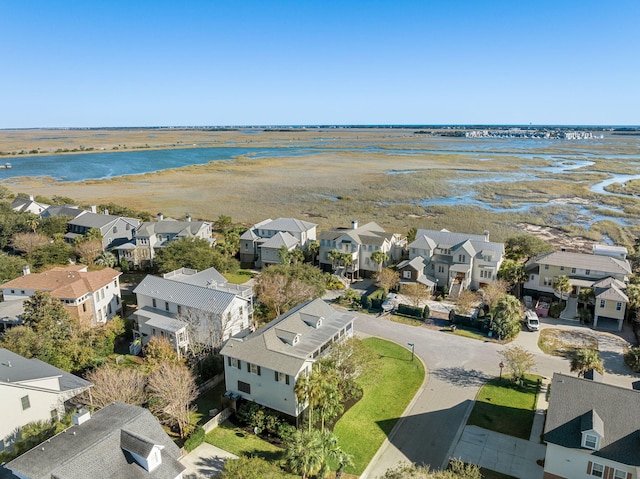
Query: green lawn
point(235, 440)
point(207, 401)
point(389, 385)
point(400, 318)
point(505, 407)
point(240, 277)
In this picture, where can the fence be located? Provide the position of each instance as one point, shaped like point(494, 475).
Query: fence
point(210, 383)
point(215, 421)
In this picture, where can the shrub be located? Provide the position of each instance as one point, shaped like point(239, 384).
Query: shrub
point(632, 359)
point(426, 312)
point(195, 439)
point(556, 309)
point(407, 310)
point(366, 302)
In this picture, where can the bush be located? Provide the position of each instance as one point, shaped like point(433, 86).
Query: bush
point(407, 310)
point(556, 309)
point(195, 439)
point(376, 304)
point(426, 312)
point(632, 359)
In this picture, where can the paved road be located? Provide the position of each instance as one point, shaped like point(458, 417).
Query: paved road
point(432, 424)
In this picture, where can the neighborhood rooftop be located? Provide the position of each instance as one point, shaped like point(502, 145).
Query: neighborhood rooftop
point(593, 262)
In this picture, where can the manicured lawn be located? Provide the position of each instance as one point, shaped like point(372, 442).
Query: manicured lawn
point(398, 318)
point(505, 407)
point(240, 277)
point(239, 442)
point(469, 333)
point(207, 401)
point(389, 384)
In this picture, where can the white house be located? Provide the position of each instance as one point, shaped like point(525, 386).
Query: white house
point(149, 237)
point(32, 390)
point(118, 441)
point(187, 305)
point(90, 296)
point(259, 245)
point(592, 430)
point(457, 261)
point(29, 205)
point(360, 243)
point(265, 365)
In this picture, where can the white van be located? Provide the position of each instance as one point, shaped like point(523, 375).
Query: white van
point(531, 320)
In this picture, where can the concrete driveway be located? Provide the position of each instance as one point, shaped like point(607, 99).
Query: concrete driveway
point(205, 461)
point(433, 423)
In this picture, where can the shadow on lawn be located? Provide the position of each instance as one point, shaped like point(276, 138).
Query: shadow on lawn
point(426, 438)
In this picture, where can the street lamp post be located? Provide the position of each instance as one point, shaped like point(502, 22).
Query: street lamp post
point(501, 365)
point(411, 345)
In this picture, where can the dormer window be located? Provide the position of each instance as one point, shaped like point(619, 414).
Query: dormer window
point(590, 441)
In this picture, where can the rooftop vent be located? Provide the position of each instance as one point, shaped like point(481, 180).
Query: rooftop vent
point(80, 417)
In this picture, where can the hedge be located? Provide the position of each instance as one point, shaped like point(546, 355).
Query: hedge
point(407, 310)
point(195, 439)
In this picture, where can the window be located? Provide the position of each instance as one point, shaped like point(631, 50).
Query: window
point(84, 307)
point(591, 441)
point(13, 291)
point(26, 404)
point(618, 306)
point(279, 377)
point(462, 258)
point(602, 302)
point(406, 274)
point(573, 270)
point(619, 474)
point(115, 229)
point(587, 272)
point(115, 283)
point(561, 268)
point(179, 309)
point(253, 368)
point(109, 310)
point(532, 277)
point(287, 379)
point(597, 470)
point(440, 268)
point(166, 306)
point(244, 387)
point(546, 266)
point(102, 293)
point(153, 302)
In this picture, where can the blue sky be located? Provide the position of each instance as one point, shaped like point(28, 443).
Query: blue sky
point(149, 63)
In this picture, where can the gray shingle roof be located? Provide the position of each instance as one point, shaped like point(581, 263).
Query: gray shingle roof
point(279, 240)
point(288, 224)
point(192, 296)
point(95, 449)
point(592, 262)
point(617, 407)
point(15, 369)
point(447, 239)
point(69, 211)
point(270, 345)
point(171, 227)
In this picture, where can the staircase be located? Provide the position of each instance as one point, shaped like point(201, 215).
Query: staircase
point(570, 311)
point(454, 292)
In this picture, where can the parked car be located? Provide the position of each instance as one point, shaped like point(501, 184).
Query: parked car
point(390, 303)
point(531, 320)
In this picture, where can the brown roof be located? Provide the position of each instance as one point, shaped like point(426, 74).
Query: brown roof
point(70, 282)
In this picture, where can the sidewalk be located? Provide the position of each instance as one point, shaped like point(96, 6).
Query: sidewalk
point(507, 454)
point(205, 461)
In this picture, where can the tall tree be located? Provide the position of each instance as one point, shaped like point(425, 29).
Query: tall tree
point(416, 292)
point(585, 359)
point(379, 257)
point(27, 242)
point(172, 388)
point(524, 247)
point(506, 317)
point(562, 286)
point(10, 267)
point(387, 279)
point(304, 453)
point(513, 272)
point(467, 300)
point(116, 384)
point(493, 292)
point(313, 248)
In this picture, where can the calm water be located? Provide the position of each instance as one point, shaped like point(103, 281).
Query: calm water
point(569, 157)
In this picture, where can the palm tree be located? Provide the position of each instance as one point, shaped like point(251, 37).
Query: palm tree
point(334, 256)
point(334, 452)
point(304, 453)
point(562, 286)
point(585, 359)
point(379, 257)
point(308, 389)
point(106, 259)
point(313, 247)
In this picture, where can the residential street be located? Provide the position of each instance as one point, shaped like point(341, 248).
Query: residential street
point(432, 424)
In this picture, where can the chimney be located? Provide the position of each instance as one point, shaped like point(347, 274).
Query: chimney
point(486, 235)
point(160, 216)
point(105, 211)
point(188, 217)
point(26, 270)
point(30, 197)
point(80, 417)
point(354, 224)
point(94, 209)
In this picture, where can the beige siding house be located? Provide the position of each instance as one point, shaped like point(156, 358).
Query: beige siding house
point(265, 365)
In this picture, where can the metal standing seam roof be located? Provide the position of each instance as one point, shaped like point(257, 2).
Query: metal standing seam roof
point(618, 408)
point(189, 295)
point(96, 449)
point(160, 319)
point(198, 278)
point(593, 262)
point(270, 346)
point(171, 226)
